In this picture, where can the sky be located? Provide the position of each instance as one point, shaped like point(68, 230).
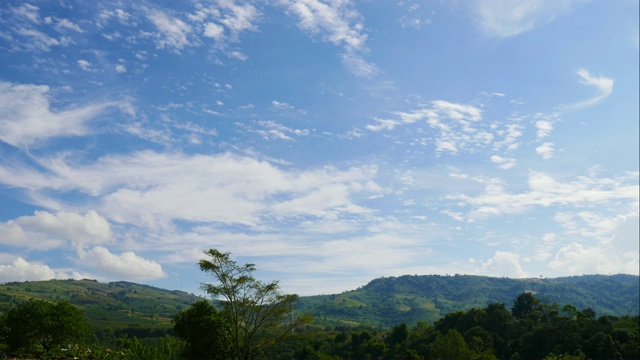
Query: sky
point(328, 142)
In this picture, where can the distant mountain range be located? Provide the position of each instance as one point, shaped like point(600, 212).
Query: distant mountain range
point(387, 302)
point(384, 302)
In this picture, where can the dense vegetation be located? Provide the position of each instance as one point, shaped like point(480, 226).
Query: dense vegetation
point(530, 329)
point(409, 317)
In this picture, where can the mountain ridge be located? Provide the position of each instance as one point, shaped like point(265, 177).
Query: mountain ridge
point(383, 302)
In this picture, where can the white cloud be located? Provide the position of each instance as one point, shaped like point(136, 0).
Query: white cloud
point(603, 85)
point(281, 105)
point(358, 66)
point(383, 124)
point(84, 65)
point(510, 135)
point(121, 68)
point(545, 191)
point(152, 189)
point(21, 270)
point(67, 24)
point(26, 117)
point(45, 230)
point(336, 21)
point(503, 163)
point(173, 32)
point(544, 128)
point(545, 150)
point(231, 19)
point(38, 41)
point(213, 30)
point(575, 259)
point(238, 17)
point(457, 126)
point(505, 18)
point(125, 266)
point(28, 12)
point(505, 264)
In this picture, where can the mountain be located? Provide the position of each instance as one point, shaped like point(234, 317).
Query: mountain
point(115, 308)
point(121, 307)
point(386, 302)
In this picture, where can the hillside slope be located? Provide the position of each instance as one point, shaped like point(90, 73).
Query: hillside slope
point(116, 307)
point(134, 309)
point(387, 302)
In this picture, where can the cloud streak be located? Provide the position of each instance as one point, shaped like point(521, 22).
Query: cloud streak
point(26, 117)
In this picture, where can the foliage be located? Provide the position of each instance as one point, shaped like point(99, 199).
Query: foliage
point(42, 325)
point(206, 331)
point(258, 312)
point(541, 330)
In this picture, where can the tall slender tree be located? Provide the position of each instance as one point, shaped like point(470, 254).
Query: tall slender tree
point(260, 315)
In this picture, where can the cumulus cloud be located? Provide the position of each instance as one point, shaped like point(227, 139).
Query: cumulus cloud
point(45, 230)
point(503, 263)
point(506, 18)
point(21, 270)
point(26, 117)
point(125, 266)
point(576, 258)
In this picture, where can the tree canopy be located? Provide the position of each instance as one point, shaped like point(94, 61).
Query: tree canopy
point(46, 325)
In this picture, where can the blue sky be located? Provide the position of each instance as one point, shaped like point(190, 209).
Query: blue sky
point(330, 142)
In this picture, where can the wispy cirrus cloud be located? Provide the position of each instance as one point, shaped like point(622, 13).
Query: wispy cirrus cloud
point(338, 22)
point(150, 189)
point(545, 191)
point(506, 18)
point(26, 117)
point(602, 84)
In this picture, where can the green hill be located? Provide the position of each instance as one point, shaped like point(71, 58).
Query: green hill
point(386, 302)
point(119, 308)
point(115, 308)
